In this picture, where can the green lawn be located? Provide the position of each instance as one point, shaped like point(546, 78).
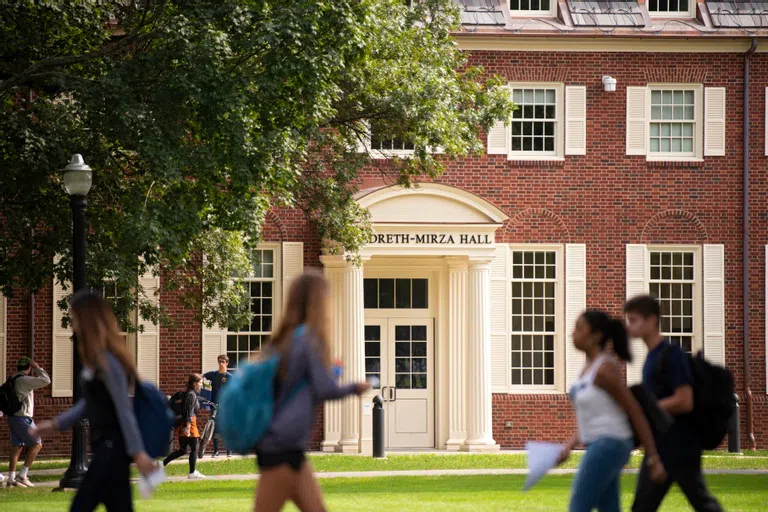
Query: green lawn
point(400, 462)
point(462, 493)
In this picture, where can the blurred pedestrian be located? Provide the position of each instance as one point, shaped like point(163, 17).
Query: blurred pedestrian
point(189, 435)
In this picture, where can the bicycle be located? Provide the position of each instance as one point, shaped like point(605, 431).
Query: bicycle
point(210, 426)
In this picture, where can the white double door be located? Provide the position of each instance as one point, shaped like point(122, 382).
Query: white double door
point(400, 353)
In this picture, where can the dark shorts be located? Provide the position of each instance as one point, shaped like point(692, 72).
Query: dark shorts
point(20, 426)
point(273, 460)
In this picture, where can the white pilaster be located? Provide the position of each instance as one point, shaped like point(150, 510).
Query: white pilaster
point(332, 420)
point(353, 356)
point(480, 430)
point(457, 352)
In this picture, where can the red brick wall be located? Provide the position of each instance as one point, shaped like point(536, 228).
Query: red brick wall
point(604, 199)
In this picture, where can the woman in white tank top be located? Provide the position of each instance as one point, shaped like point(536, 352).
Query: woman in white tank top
point(606, 412)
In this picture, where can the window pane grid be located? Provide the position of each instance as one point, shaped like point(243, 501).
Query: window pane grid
point(529, 5)
point(411, 357)
point(395, 293)
point(673, 120)
point(533, 123)
point(246, 341)
point(672, 283)
point(668, 6)
point(534, 285)
point(373, 354)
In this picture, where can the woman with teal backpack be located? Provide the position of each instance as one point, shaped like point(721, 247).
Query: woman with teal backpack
point(304, 381)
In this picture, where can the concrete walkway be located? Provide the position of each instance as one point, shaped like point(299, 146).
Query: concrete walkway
point(420, 473)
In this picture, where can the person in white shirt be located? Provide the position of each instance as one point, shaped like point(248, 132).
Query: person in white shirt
point(29, 378)
point(606, 411)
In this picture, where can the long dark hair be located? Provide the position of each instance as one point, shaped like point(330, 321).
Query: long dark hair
point(98, 332)
point(308, 304)
point(611, 330)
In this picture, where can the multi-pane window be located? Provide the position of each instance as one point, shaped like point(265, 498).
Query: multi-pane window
point(534, 123)
point(382, 142)
point(411, 357)
point(247, 340)
point(673, 7)
point(112, 293)
point(373, 354)
point(673, 282)
point(395, 293)
point(534, 325)
point(530, 6)
point(673, 121)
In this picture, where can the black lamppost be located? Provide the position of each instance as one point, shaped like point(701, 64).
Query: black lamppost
point(77, 182)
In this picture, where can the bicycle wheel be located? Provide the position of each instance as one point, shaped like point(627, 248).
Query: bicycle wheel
point(205, 438)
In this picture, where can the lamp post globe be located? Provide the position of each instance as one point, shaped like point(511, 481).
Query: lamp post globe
point(77, 182)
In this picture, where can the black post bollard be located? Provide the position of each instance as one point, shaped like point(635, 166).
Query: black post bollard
point(378, 427)
point(733, 429)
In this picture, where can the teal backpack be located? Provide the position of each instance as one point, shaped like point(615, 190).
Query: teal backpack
point(247, 403)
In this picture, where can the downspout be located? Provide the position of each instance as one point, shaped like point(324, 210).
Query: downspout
point(745, 246)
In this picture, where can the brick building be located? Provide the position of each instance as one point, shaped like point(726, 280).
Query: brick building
point(467, 294)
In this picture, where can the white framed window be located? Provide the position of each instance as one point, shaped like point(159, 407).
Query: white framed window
point(246, 341)
point(674, 278)
point(536, 127)
point(522, 8)
point(536, 318)
point(111, 291)
point(675, 124)
point(672, 8)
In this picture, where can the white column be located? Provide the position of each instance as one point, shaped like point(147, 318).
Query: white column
point(332, 420)
point(457, 352)
point(479, 432)
point(353, 356)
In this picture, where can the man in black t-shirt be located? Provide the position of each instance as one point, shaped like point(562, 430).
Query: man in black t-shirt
point(667, 373)
point(218, 379)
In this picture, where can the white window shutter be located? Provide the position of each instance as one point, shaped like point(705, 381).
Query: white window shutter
point(637, 120)
point(499, 139)
point(3, 335)
point(148, 337)
point(714, 121)
point(575, 304)
point(576, 120)
point(214, 343)
point(62, 353)
point(500, 305)
point(293, 264)
point(637, 284)
point(363, 144)
point(714, 304)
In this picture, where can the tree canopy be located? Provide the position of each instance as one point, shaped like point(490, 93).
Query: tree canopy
point(199, 116)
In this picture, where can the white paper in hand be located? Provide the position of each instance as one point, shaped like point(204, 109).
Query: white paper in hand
point(541, 458)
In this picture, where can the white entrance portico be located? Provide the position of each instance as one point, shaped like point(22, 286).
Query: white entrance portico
point(417, 317)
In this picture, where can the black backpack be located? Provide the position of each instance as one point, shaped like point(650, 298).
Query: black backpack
point(177, 405)
point(713, 400)
point(9, 400)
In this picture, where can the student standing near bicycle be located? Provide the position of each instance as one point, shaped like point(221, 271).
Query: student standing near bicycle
point(189, 436)
point(218, 379)
point(304, 382)
point(606, 412)
point(115, 437)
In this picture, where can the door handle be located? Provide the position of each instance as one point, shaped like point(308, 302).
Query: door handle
point(393, 394)
point(385, 393)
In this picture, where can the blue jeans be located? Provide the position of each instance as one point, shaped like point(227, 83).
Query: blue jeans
point(597, 482)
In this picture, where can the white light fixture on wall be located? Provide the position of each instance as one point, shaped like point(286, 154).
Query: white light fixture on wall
point(609, 84)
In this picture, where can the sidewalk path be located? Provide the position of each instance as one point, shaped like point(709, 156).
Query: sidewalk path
point(427, 472)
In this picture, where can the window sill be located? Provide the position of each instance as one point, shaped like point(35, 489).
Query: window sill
point(693, 163)
point(532, 394)
point(524, 161)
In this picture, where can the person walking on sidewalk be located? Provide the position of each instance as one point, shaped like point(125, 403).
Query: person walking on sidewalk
point(606, 411)
point(679, 447)
point(29, 378)
point(116, 441)
point(189, 435)
point(218, 379)
point(304, 382)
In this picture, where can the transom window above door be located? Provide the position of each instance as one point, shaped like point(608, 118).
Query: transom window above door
point(395, 293)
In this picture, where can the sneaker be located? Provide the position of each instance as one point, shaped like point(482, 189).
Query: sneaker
point(14, 482)
point(196, 476)
point(215, 454)
point(23, 481)
point(2, 478)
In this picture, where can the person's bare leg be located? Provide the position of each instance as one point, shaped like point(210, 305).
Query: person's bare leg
point(32, 454)
point(275, 488)
point(307, 494)
point(15, 452)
